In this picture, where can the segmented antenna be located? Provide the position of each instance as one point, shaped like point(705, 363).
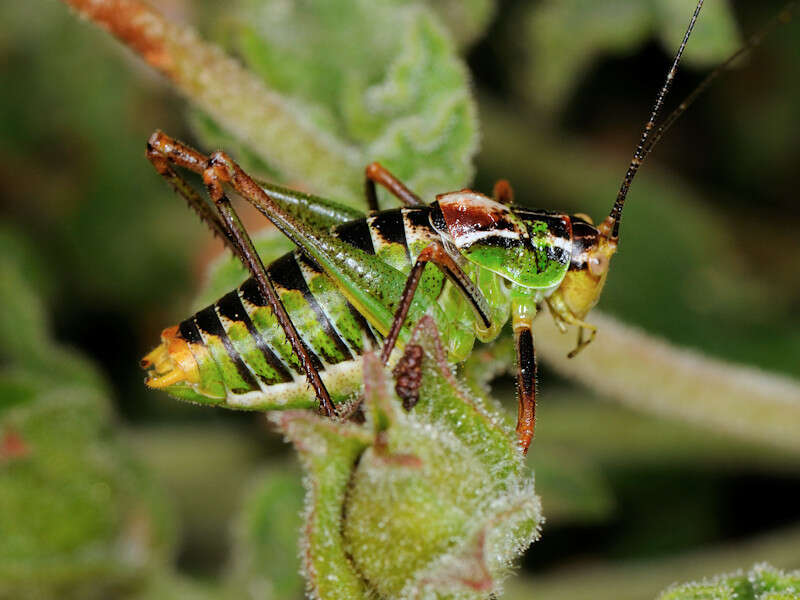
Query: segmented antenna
point(783, 17)
point(640, 153)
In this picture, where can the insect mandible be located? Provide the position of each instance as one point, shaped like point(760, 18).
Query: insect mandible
point(470, 261)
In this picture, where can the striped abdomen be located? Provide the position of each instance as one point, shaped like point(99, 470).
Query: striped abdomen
point(242, 355)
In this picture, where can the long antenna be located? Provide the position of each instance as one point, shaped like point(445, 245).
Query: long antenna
point(612, 222)
point(781, 18)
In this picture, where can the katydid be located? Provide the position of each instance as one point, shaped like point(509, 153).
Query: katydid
point(470, 261)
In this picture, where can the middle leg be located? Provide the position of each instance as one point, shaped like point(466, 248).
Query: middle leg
point(436, 254)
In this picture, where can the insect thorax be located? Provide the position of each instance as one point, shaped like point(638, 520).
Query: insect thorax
point(529, 248)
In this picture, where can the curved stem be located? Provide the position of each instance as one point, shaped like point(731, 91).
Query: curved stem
point(650, 374)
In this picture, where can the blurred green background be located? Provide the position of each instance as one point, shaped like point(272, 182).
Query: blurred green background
point(108, 490)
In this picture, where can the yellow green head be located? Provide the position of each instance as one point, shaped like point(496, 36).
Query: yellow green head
point(592, 249)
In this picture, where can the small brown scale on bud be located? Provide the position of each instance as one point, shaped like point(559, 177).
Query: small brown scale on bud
point(408, 376)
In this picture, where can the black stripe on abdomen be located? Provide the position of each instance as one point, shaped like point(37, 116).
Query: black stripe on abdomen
point(355, 233)
point(390, 227)
point(208, 320)
point(252, 294)
point(369, 334)
point(230, 306)
point(189, 332)
point(286, 273)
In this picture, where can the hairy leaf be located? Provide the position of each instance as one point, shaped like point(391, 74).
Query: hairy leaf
point(404, 102)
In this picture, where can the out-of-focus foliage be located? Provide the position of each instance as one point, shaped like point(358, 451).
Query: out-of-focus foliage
point(75, 117)
point(641, 576)
point(78, 517)
point(265, 561)
point(564, 37)
point(654, 376)
point(466, 19)
point(315, 105)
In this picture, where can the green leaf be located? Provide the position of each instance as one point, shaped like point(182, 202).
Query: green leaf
point(474, 420)
point(317, 107)
point(405, 102)
point(328, 452)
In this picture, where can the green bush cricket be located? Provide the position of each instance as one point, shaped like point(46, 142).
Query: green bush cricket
point(470, 261)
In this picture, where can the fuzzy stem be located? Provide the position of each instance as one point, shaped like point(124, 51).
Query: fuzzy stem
point(654, 376)
point(236, 99)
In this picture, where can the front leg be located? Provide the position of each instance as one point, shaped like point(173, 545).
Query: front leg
point(523, 312)
point(563, 316)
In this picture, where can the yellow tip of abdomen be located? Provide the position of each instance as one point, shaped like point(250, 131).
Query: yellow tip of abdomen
point(161, 381)
point(171, 362)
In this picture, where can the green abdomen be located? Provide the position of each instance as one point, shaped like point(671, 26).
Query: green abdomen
point(244, 358)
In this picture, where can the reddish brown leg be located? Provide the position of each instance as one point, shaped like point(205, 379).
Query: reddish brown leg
point(206, 213)
point(503, 192)
point(376, 173)
point(526, 386)
point(216, 170)
point(436, 254)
